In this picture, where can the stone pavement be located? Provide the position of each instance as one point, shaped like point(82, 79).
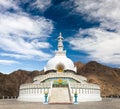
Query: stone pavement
point(105, 104)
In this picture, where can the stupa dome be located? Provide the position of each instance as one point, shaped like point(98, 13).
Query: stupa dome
point(60, 63)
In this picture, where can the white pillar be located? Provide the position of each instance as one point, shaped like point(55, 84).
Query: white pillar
point(40, 90)
point(33, 91)
point(88, 91)
point(37, 90)
point(28, 91)
point(72, 90)
point(81, 91)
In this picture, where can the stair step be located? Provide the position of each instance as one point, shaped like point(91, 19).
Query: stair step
point(60, 103)
point(60, 95)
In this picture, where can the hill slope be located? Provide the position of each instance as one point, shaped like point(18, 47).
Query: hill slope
point(9, 84)
point(108, 78)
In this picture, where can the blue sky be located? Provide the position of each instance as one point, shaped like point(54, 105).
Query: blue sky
point(29, 31)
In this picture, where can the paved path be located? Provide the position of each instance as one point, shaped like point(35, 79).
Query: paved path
point(105, 104)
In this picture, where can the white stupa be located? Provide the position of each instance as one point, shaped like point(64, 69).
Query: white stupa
point(60, 60)
point(60, 84)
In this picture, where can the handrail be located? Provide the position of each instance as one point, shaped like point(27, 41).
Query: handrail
point(70, 92)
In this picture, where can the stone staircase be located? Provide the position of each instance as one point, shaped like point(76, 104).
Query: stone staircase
point(60, 95)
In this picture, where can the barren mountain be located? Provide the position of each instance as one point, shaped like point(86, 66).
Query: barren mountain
point(9, 84)
point(108, 78)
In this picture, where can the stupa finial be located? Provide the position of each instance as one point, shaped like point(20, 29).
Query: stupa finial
point(60, 34)
point(60, 42)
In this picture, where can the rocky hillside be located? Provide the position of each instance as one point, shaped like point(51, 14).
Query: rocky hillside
point(9, 84)
point(108, 78)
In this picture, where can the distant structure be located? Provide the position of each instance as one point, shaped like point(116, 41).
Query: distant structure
point(60, 83)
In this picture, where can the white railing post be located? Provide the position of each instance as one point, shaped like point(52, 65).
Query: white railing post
point(3, 97)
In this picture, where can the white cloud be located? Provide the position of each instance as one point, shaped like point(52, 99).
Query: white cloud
point(24, 26)
point(7, 4)
point(101, 45)
point(17, 56)
point(14, 29)
point(99, 8)
point(105, 11)
point(23, 35)
point(38, 44)
point(42, 4)
point(8, 62)
point(20, 46)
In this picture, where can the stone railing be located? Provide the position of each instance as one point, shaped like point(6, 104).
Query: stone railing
point(35, 89)
point(35, 86)
point(78, 78)
point(83, 89)
point(85, 85)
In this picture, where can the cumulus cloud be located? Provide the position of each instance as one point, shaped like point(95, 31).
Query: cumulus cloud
point(42, 4)
point(24, 26)
point(15, 29)
point(105, 11)
point(8, 4)
point(100, 43)
point(17, 56)
point(23, 35)
point(8, 62)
